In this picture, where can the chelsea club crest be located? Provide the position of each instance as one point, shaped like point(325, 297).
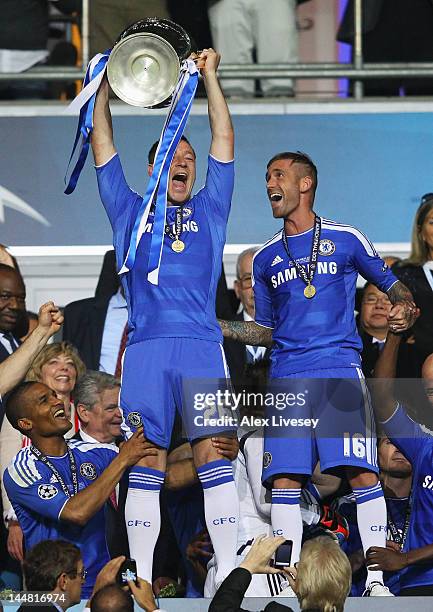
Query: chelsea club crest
point(326, 247)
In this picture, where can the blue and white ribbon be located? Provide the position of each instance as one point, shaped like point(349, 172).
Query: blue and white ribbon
point(171, 134)
point(157, 187)
point(85, 104)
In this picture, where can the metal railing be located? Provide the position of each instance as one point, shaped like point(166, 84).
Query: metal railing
point(357, 70)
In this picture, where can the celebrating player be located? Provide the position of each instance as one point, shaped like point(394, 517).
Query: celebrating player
point(174, 336)
point(304, 290)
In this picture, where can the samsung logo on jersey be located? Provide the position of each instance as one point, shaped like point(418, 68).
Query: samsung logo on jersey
point(188, 226)
point(323, 267)
point(428, 482)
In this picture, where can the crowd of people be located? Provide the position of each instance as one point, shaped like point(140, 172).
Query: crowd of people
point(132, 466)
point(244, 31)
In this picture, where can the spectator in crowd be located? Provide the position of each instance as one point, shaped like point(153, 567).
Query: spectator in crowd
point(54, 567)
point(12, 304)
point(97, 403)
point(238, 355)
point(59, 366)
point(240, 26)
point(112, 598)
point(312, 325)
point(58, 488)
point(417, 273)
point(14, 368)
point(396, 478)
point(322, 578)
point(413, 557)
point(393, 31)
point(373, 329)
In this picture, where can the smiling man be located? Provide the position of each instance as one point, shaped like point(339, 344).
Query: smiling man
point(58, 488)
point(304, 281)
point(174, 338)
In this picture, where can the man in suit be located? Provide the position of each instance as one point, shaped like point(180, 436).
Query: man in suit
point(56, 568)
point(12, 306)
point(373, 329)
point(238, 355)
point(97, 405)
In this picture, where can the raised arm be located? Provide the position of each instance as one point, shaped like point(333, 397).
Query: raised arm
point(81, 507)
point(222, 145)
point(102, 135)
point(384, 373)
point(15, 367)
point(247, 332)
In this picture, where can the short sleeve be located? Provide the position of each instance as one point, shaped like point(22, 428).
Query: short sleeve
point(116, 195)
point(40, 496)
point(407, 435)
point(218, 189)
point(369, 264)
point(262, 298)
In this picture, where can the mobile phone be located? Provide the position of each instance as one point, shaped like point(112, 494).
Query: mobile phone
point(283, 554)
point(127, 571)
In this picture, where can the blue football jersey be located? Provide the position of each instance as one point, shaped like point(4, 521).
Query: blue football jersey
point(183, 303)
point(417, 447)
point(38, 500)
point(313, 333)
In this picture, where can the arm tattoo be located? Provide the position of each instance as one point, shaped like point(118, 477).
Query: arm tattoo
point(400, 293)
point(247, 332)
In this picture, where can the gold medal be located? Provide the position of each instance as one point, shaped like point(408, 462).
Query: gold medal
point(310, 291)
point(178, 246)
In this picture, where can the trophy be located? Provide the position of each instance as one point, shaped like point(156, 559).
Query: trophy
point(144, 64)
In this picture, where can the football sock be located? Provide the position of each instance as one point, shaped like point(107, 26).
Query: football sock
point(372, 522)
point(286, 518)
point(142, 516)
point(221, 509)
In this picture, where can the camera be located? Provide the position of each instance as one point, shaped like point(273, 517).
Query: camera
point(283, 554)
point(127, 571)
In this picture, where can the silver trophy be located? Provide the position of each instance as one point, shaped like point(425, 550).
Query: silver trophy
point(144, 64)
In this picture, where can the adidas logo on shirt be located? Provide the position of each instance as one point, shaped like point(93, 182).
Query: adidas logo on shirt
point(276, 261)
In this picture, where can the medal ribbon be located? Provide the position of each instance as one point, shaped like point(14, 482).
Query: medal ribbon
point(56, 472)
point(158, 184)
point(177, 225)
point(307, 278)
point(397, 538)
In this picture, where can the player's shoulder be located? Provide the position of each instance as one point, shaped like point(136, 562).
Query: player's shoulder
point(24, 470)
point(345, 232)
point(267, 250)
point(91, 448)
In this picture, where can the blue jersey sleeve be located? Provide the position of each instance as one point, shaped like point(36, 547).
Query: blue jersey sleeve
point(218, 189)
point(262, 298)
point(405, 434)
point(118, 198)
point(368, 263)
point(36, 496)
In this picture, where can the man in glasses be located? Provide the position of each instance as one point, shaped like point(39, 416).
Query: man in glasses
point(54, 570)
